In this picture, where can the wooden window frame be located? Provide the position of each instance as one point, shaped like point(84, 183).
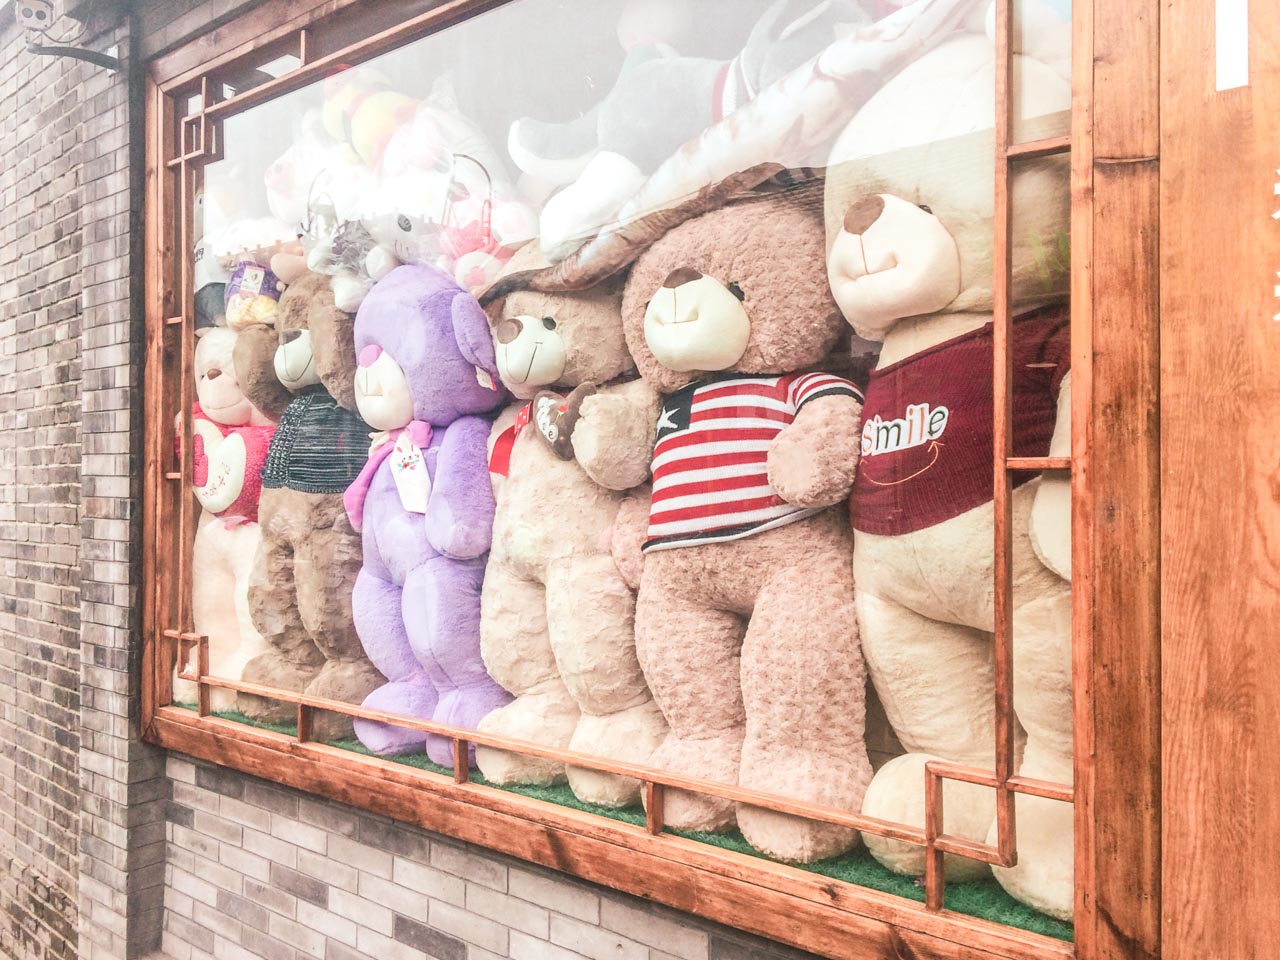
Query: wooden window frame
point(1115, 554)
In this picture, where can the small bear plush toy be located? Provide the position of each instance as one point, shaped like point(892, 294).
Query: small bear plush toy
point(745, 617)
point(557, 620)
point(230, 438)
point(910, 227)
point(425, 377)
point(300, 595)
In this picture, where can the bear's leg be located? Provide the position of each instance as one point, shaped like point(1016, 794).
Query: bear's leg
point(689, 653)
point(213, 612)
point(292, 660)
point(937, 682)
point(243, 543)
point(517, 654)
point(804, 689)
point(326, 564)
point(591, 616)
point(1044, 877)
point(379, 615)
point(442, 616)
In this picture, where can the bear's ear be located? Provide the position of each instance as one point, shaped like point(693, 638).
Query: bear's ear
point(475, 343)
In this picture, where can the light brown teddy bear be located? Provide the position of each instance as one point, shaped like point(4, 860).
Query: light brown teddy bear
point(745, 618)
point(300, 589)
point(557, 616)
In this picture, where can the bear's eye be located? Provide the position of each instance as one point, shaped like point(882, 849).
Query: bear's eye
point(403, 223)
point(549, 323)
point(925, 207)
point(736, 290)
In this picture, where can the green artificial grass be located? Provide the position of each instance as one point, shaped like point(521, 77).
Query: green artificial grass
point(985, 898)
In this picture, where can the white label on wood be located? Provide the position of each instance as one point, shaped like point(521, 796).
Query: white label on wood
point(1231, 40)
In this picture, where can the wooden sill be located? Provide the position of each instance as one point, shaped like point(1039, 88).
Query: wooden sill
point(811, 912)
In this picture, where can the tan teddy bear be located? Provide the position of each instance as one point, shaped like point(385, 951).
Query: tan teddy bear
point(300, 590)
point(557, 616)
point(745, 617)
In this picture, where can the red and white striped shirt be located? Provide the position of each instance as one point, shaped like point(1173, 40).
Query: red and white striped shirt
point(710, 462)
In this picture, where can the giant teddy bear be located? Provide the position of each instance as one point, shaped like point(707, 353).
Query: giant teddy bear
point(557, 615)
point(745, 620)
point(230, 439)
point(909, 207)
point(300, 595)
point(426, 376)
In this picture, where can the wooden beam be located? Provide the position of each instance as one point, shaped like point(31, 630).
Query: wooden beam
point(809, 911)
point(1115, 477)
point(1220, 403)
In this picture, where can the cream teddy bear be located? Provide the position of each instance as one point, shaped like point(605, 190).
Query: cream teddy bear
point(909, 209)
point(557, 614)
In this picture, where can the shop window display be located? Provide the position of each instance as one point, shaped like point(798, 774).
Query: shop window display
point(618, 378)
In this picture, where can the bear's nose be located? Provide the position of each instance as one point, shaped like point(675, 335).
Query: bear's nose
point(508, 330)
point(859, 217)
point(291, 335)
point(681, 275)
point(369, 355)
point(213, 373)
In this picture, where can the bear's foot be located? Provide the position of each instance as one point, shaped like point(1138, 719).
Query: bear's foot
point(270, 669)
point(1044, 877)
point(629, 735)
point(347, 681)
point(464, 707)
point(837, 779)
point(414, 698)
point(711, 758)
point(544, 716)
point(897, 794)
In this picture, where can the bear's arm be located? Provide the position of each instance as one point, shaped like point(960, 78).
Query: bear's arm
point(1051, 510)
point(461, 506)
point(613, 438)
point(812, 462)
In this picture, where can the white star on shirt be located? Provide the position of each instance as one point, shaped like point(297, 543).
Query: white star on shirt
point(667, 419)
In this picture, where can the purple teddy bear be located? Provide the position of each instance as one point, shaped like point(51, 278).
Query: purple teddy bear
point(424, 504)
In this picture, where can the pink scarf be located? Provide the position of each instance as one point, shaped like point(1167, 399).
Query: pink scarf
point(354, 498)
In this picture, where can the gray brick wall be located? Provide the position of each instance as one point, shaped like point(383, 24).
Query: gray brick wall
point(259, 870)
point(81, 812)
point(40, 373)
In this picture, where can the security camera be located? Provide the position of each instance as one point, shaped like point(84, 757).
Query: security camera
point(34, 14)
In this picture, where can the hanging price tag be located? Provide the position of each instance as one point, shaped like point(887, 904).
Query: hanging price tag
point(409, 469)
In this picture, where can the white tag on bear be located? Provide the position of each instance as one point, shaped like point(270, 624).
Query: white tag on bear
point(409, 469)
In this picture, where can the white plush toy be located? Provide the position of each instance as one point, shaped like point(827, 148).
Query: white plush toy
point(909, 208)
point(230, 437)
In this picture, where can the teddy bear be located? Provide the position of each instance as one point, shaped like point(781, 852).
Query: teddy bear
point(557, 617)
point(300, 590)
point(425, 379)
point(230, 438)
point(745, 626)
point(909, 217)
point(660, 100)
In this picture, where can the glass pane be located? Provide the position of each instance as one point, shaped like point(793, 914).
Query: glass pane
point(544, 363)
point(1041, 42)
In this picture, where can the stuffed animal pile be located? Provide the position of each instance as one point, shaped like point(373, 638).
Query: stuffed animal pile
point(665, 472)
